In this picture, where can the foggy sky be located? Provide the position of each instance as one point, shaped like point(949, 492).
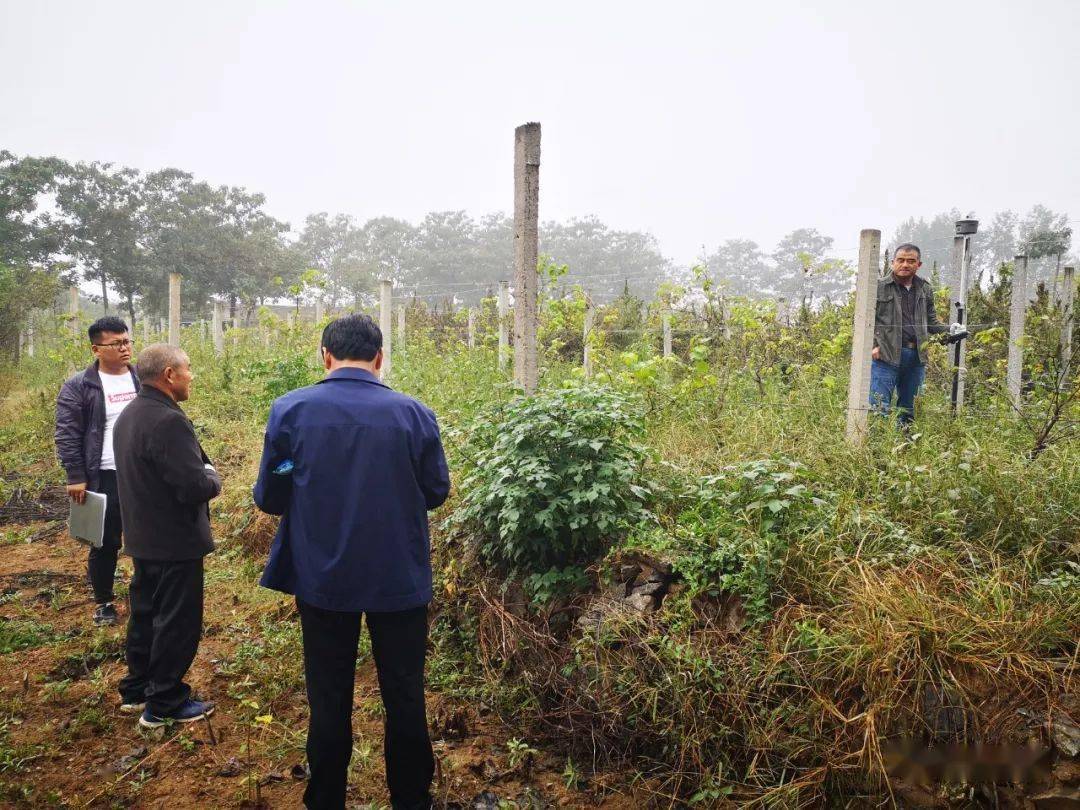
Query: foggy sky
point(698, 122)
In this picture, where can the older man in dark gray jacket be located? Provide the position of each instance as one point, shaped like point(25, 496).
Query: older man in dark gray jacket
point(166, 482)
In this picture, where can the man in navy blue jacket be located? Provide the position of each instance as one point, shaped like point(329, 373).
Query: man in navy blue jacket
point(353, 467)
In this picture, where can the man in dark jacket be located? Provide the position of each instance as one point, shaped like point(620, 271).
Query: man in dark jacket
point(87, 408)
point(354, 467)
point(904, 320)
point(165, 482)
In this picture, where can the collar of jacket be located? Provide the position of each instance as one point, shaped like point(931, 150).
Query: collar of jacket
point(356, 374)
point(150, 392)
point(92, 375)
point(917, 282)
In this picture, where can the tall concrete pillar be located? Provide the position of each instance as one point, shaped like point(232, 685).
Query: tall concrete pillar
point(863, 335)
point(319, 314)
point(174, 309)
point(401, 326)
point(471, 328)
point(667, 333)
point(1017, 312)
point(526, 244)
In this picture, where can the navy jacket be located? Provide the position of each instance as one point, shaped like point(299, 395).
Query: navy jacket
point(80, 426)
point(368, 464)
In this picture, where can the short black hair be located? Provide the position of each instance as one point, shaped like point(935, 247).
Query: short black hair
point(353, 337)
point(908, 246)
point(106, 324)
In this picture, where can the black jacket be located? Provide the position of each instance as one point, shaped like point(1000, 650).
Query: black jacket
point(163, 482)
point(80, 426)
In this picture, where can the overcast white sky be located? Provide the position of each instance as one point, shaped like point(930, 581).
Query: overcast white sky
point(695, 121)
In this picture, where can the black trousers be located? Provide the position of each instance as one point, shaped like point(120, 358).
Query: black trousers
point(399, 646)
point(164, 628)
point(102, 562)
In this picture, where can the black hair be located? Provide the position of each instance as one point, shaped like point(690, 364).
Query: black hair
point(908, 246)
point(106, 324)
point(353, 337)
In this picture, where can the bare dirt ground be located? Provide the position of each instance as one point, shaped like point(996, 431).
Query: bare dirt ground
point(64, 743)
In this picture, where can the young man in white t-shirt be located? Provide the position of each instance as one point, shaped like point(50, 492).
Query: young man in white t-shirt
point(86, 410)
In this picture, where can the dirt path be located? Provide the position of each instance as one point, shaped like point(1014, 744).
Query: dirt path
point(64, 743)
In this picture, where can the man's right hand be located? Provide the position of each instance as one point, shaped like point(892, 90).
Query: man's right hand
point(876, 353)
point(77, 492)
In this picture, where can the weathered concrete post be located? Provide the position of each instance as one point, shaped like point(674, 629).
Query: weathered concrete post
point(961, 258)
point(1068, 305)
point(526, 235)
point(73, 310)
point(319, 314)
point(863, 335)
point(290, 320)
point(586, 354)
point(216, 327)
point(504, 314)
point(174, 309)
point(471, 327)
point(667, 333)
point(386, 297)
point(401, 326)
point(1017, 311)
point(30, 334)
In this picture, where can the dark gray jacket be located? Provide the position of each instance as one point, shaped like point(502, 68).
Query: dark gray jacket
point(889, 318)
point(164, 484)
point(80, 426)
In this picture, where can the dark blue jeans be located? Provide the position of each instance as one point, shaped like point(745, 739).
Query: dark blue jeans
point(905, 381)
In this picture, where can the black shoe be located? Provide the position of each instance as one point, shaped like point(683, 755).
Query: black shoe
point(105, 614)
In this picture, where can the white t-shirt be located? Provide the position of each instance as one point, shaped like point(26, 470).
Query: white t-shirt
point(119, 391)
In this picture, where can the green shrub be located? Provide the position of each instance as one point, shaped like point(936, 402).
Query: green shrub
point(556, 478)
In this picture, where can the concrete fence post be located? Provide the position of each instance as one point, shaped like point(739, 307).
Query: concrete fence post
point(863, 336)
point(526, 237)
point(31, 324)
point(1068, 317)
point(586, 353)
point(471, 327)
point(504, 314)
point(1017, 312)
point(73, 310)
point(174, 309)
point(319, 314)
point(401, 326)
point(386, 298)
point(667, 333)
point(216, 327)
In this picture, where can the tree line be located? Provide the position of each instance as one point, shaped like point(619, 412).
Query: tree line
point(125, 231)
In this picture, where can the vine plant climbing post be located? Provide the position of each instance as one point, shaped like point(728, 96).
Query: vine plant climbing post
point(863, 336)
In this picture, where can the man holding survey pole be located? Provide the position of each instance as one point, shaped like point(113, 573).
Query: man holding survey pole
point(87, 408)
point(353, 467)
point(166, 482)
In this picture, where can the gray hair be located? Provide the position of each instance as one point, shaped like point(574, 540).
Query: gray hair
point(155, 358)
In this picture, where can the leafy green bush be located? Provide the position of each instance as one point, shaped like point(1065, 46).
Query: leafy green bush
point(555, 478)
point(734, 530)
